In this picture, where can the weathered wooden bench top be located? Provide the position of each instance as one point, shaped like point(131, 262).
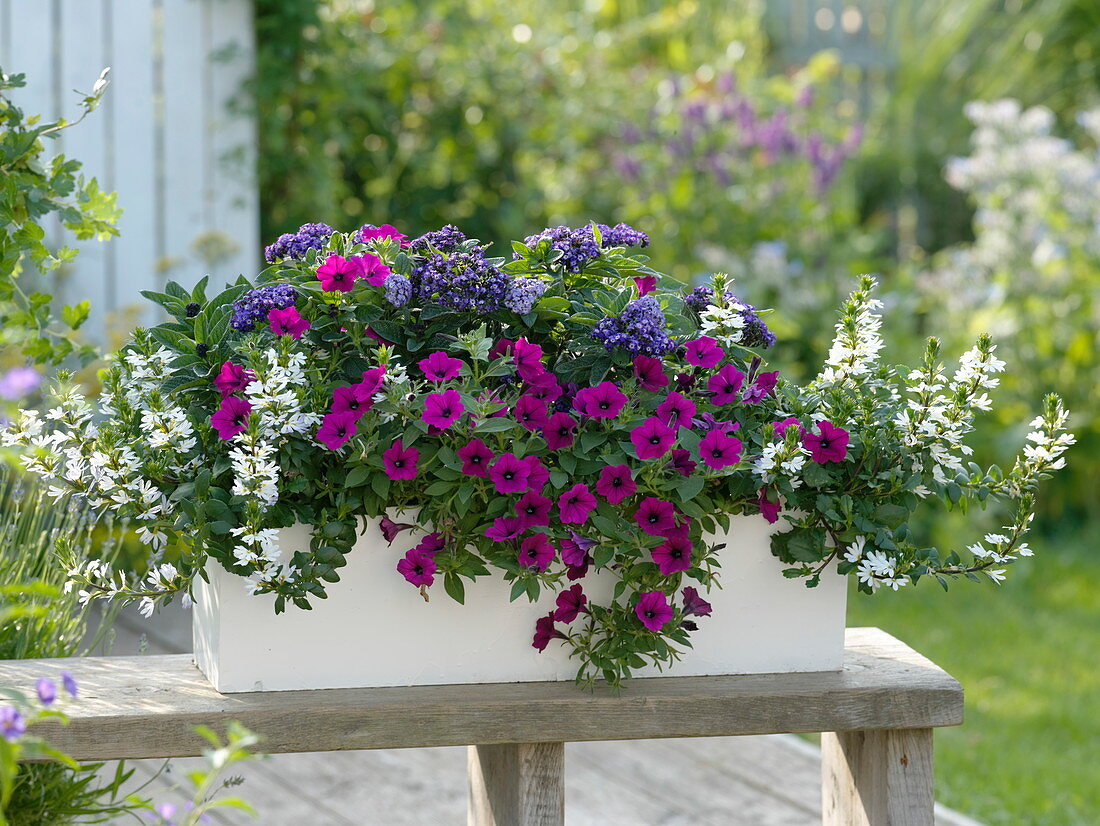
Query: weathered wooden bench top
point(147, 706)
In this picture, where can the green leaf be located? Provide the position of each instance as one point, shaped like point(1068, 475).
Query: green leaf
point(357, 476)
point(455, 588)
point(76, 314)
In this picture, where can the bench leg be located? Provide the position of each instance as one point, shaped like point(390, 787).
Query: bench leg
point(877, 778)
point(521, 784)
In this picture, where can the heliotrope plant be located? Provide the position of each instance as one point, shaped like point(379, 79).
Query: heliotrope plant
point(563, 411)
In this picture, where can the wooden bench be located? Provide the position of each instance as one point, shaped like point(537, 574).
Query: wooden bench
point(876, 715)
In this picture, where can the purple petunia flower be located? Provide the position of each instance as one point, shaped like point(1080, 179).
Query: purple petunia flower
point(528, 359)
point(672, 555)
point(369, 232)
point(509, 474)
point(417, 568)
point(46, 690)
point(231, 418)
point(725, 384)
point(431, 544)
point(374, 270)
point(391, 529)
point(530, 412)
point(337, 429)
point(768, 509)
point(571, 603)
point(536, 552)
point(545, 631)
point(537, 474)
point(296, 245)
point(781, 427)
point(604, 401)
point(650, 375)
point(353, 399)
point(544, 387)
point(645, 284)
point(338, 274)
point(695, 605)
point(655, 516)
point(443, 409)
point(232, 379)
point(704, 352)
point(829, 444)
point(440, 367)
point(682, 462)
point(676, 410)
point(762, 387)
point(653, 610)
point(559, 430)
point(400, 461)
point(533, 509)
point(575, 504)
point(616, 483)
point(505, 528)
point(476, 457)
point(288, 322)
point(652, 438)
point(719, 450)
point(12, 724)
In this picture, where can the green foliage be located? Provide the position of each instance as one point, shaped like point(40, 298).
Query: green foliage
point(33, 190)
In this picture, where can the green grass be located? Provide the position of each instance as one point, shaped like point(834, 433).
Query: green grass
point(1027, 653)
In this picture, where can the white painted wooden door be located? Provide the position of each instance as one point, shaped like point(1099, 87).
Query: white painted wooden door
point(166, 137)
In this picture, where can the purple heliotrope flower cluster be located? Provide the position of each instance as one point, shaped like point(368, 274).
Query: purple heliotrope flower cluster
point(296, 244)
point(640, 329)
point(755, 332)
point(257, 304)
point(448, 239)
point(522, 294)
point(579, 246)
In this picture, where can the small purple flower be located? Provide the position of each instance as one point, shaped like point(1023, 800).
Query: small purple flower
point(653, 610)
point(571, 604)
point(641, 329)
point(391, 529)
point(337, 428)
point(443, 409)
point(400, 461)
point(536, 552)
point(68, 682)
point(440, 367)
point(398, 290)
point(673, 555)
point(255, 305)
point(417, 568)
point(604, 401)
point(575, 504)
point(695, 605)
point(829, 444)
point(719, 450)
point(559, 431)
point(296, 245)
point(616, 484)
point(47, 691)
point(476, 457)
point(725, 385)
point(531, 413)
point(545, 631)
point(533, 509)
point(652, 438)
point(649, 373)
point(682, 462)
point(522, 294)
point(655, 516)
point(768, 509)
point(704, 352)
point(12, 723)
point(509, 474)
point(505, 528)
point(676, 410)
point(19, 382)
point(762, 387)
point(288, 322)
point(231, 418)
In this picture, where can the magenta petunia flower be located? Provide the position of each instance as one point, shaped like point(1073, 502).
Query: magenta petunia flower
point(655, 516)
point(545, 631)
point(391, 529)
point(645, 284)
point(653, 610)
point(762, 387)
point(571, 603)
point(440, 367)
point(505, 528)
point(829, 444)
point(707, 423)
point(673, 555)
point(537, 474)
point(372, 380)
point(369, 233)
point(503, 347)
point(649, 373)
point(352, 399)
point(604, 401)
point(695, 605)
point(400, 461)
point(704, 352)
point(615, 483)
point(536, 552)
point(676, 410)
point(530, 412)
point(231, 418)
point(725, 384)
point(682, 462)
point(417, 568)
point(575, 504)
point(338, 274)
point(288, 322)
point(558, 431)
point(574, 551)
point(528, 359)
point(544, 387)
point(233, 378)
point(373, 270)
point(719, 450)
point(768, 509)
point(443, 409)
point(781, 427)
point(337, 429)
point(509, 474)
point(431, 545)
point(652, 438)
point(476, 457)
point(533, 509)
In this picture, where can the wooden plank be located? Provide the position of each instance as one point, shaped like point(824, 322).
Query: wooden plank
point(516, 784)
point(877, 778)
point(147, 706)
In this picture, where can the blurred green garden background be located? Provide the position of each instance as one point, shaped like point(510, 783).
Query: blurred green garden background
point(948, 145)
point(793, 145)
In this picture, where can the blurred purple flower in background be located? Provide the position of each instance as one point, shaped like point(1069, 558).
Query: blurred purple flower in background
point(19, 382)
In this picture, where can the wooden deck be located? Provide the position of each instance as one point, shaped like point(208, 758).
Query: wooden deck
point(771, 780)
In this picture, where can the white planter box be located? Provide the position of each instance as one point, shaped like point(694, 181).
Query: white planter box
point(376, 630)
